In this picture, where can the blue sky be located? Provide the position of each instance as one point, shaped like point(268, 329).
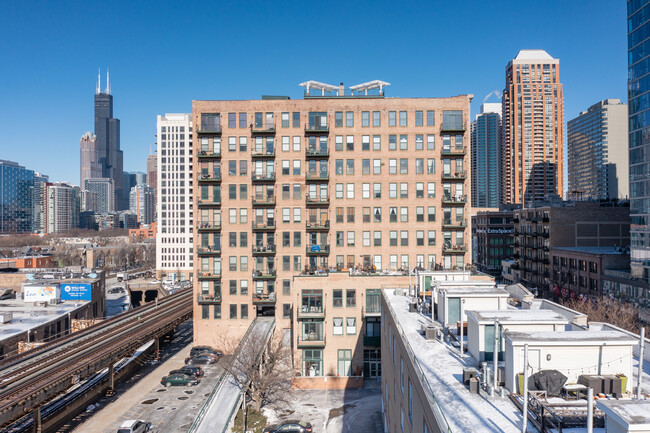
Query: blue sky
point(162, 55)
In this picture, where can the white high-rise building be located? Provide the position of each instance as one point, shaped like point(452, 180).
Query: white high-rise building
point(61, 207)
point(104, 188)
point(174, 197)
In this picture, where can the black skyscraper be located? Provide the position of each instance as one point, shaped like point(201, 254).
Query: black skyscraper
point(107, 131)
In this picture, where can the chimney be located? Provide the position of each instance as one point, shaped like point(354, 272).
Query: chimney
point(341, 90)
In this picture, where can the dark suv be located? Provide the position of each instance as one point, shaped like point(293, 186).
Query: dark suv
point(197, 350)
point(189, 370)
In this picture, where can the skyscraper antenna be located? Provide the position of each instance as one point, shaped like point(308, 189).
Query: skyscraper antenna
point(108, 84)
point(99, 78)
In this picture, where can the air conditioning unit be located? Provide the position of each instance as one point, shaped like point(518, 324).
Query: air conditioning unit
point(55, 301)
point(6, 317)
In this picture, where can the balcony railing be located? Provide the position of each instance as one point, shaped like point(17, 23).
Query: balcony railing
point(452, 223)
point(264, 274)
point(316, 153)
point(371, 311)
point(208, 227)
point(318, 225)
point(209, 275)
point(454, 126)
point(454, 249)
point(206, 177)
point(264, 298)
point(454, 199)
point(264, 250)
point(317, 175)
point(454, 151)
point(209, 299)
point(269, 225)
point(209, 129)
point(317, 201)
point(371, 341)
point(318, 249)
point(263, 153)
point(263, 177)
point(213, 250)
point(264, 128)
point(264, 201)
point(208, 203)
point(208, 154)
point(317, 129)
point(311, 312)
point(456, 175)
point(312, 339)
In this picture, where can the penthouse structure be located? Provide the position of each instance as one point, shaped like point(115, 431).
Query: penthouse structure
point(292, 194)
point(533, 112)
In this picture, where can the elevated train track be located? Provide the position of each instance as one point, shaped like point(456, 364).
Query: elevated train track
point(29, 380)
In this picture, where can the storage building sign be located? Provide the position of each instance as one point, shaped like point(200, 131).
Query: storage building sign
point(40, 293)
point(76, 292)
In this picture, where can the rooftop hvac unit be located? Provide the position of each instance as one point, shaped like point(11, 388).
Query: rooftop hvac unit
point(55, 301)
point(6, 317)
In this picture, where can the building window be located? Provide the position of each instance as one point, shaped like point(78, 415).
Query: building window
point(349, 119)
point(337, 326)
point(337, 298)
point(351, 325)
point(286, 311)
point(344, 362)
point(205, 311)
point(365, 118)
point(233, 311)
point(338, 119)
point(351, 298)
point(312, 361)
point(392, 118)
point(376, 118)
point(244, 311)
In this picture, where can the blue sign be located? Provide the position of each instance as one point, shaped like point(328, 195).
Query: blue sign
point(76, 292)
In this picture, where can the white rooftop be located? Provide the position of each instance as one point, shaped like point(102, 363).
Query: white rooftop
point(475, 291)
point(627, 412)
point(533, 55)
point(441, 368)
point(572, 338)
point(519, 316)
point(26, 316)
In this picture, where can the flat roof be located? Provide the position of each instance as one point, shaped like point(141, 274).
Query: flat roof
point(518, 316)
point(627, 412)
point(571, 338)
point(593, 250)
point(475, 291)
point(30, 315)
point(441, 368)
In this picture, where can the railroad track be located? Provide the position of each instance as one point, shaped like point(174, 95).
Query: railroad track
point(28, 380)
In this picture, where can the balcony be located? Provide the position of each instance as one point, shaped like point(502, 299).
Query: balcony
point(457, 175)
point(208, 154)
point(317, 176)
point(208, 227)
point(318, 226)
point(263, 129)
point(454, 249)
point(449, 199)
point(264, 250)
point(264, 274)
point(263, 153)
point(208, 276)
point(371, 311)
point(264, 201)
point(317, 153)
point(545, 234)
point(317, 129)
point(317, 201)
point(264, 227)
point(545, 219)
point(263, 177)
point(204, 299)
point(209, 178)
point(454, 224)
point(318, 250)
point(307, 312)
point(209, 251)
point(454, 151)
point(371, 341)
point(204, 203)
point(454, 127)
point(206, 129)
point(313, 339)
point(264, 298)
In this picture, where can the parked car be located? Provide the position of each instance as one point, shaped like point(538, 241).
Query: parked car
point(293, 426)
point(189, 370)
point(134, 426)
point(197, 350)
point(202, 359)
point(179, 380)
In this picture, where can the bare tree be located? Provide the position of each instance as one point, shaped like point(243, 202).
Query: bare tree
point(264, 374)
point(604, 309)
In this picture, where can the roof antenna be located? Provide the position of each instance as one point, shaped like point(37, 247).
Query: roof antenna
point(99, 78)
point(108, 84)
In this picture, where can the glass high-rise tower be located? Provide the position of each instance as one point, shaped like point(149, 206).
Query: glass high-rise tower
point(638, 26)
point(487, 156)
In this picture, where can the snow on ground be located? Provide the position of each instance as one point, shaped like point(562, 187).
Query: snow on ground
point(443, 369)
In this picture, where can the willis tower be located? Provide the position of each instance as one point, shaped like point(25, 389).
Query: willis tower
point(107, 131)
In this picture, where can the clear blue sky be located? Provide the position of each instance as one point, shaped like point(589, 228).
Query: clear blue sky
point(162, 55)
